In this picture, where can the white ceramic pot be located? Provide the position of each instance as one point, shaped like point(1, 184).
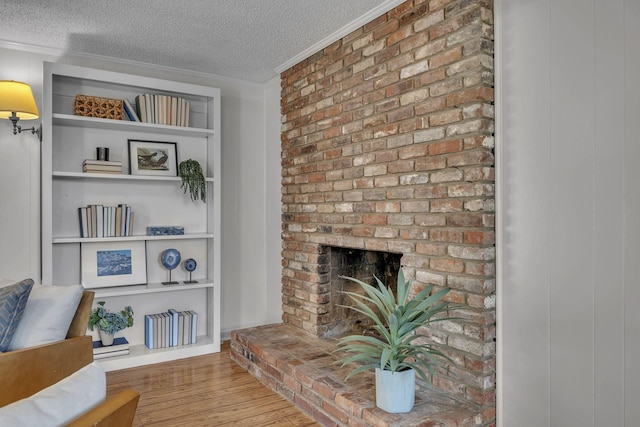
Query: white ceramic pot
point(107, 339)
point(395, 391)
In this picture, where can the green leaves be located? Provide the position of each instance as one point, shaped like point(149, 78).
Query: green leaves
point(396, 318)
point(108, 321)
point(193, 180)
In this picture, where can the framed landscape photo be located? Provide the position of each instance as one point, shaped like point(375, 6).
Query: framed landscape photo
point(153, 158)
point(106, 264)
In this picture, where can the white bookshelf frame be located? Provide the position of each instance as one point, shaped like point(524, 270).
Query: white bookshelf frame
point(61, 83)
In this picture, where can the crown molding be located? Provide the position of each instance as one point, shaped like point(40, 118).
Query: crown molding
point(59, 53)
point(337, 35)
point(25, 47)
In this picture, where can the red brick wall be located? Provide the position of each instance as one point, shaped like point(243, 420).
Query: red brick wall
point(387, 140)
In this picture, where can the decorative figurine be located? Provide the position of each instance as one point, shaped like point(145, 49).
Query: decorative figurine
point(190, 265)
point(170, 259)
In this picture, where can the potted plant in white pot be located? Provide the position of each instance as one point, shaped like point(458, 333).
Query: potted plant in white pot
point(109, 323)
point(394, 352)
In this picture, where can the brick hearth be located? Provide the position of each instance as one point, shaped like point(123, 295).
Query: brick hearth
point(300, 368)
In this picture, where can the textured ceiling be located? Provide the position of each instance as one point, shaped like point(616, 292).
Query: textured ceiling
point(245, 39)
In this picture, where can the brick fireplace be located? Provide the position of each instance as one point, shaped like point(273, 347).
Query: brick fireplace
point(387, 148)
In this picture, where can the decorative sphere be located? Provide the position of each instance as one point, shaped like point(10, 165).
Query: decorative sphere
point(170, 258)
point(190, 264)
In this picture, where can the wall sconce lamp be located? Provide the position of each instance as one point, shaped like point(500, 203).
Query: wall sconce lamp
point(17, 102)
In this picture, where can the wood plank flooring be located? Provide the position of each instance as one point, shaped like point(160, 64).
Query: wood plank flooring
point(209, 390)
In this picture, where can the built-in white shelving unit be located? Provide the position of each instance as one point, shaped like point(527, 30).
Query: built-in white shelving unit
point(156, 201)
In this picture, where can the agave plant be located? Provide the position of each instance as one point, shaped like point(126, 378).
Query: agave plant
point(396, 320)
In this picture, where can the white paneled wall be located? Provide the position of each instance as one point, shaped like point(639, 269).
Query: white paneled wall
point(630, 291)
point(569, 213)
point(251, 203)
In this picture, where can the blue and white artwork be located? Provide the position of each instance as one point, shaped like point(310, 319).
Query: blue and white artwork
point(113, 263)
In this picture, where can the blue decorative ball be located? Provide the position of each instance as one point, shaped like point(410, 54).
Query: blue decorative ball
point(170, 258)
point(190, 264)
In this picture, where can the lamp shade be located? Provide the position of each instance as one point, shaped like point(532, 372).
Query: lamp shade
point(17, 97)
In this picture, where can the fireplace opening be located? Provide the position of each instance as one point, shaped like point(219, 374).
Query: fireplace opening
point(365, 266)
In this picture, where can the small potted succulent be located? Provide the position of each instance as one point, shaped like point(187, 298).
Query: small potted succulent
point(109, 323)
point(396, 352)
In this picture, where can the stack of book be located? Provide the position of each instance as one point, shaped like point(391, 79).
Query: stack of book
point(162, 110)
point(170, 329)
point(120, 347)
point(101, 166)
point(105, 221)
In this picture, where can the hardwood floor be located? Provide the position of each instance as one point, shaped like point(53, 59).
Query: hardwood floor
point(209, 390)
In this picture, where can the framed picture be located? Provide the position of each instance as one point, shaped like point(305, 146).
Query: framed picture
point(106, 264)
point(153, 158)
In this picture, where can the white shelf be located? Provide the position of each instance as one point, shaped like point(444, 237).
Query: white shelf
point(86, 175)
point(95, 123)
point(150, 288)
point(141, 355)
point(57, 240)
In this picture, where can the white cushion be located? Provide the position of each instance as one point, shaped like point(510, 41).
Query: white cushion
point(60, 403)
point(47, 316)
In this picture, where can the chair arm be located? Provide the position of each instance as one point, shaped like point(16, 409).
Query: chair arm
point(80, 320)
point(117, 411)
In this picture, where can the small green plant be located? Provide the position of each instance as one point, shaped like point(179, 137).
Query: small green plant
point(193, 180)
point(396, 320)
point(110, 322)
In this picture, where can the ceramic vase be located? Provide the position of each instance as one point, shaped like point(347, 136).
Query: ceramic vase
point(395, 391)
point(107, 339)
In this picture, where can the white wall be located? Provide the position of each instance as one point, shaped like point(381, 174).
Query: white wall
point(273, 210)
point(249, 212)
point(20, 178)
point(569, 213)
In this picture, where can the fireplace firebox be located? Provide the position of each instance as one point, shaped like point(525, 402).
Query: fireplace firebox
point(365, 266)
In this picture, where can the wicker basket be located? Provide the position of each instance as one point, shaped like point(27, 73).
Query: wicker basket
point(94, 106)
